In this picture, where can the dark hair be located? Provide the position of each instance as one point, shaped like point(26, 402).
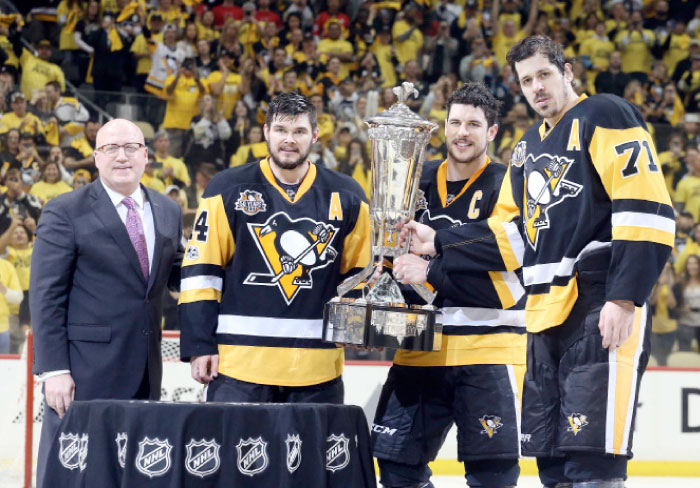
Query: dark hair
point(291, 104)
point(476, 95)
point(532, 45)
point(54, 84)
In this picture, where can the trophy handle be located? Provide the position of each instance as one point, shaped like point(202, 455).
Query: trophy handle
point(351, 282)
point(424, 292)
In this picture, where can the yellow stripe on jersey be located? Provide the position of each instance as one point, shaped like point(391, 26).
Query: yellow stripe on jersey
point(504, 293)
point(550, 309)
point(622, 382)
point(507, 236)
point(211, 244)
point(442, 182)
point(356, 245)
point(460, 350)
point(190, 296)
point(281, 366)
point(635, 172)
point(642, 234)
point(303, 188)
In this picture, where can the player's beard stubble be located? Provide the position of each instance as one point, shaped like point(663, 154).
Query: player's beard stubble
point(274, 155)
point(459, 159)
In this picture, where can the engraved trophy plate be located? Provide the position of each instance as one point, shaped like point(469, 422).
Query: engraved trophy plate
point(382, 318)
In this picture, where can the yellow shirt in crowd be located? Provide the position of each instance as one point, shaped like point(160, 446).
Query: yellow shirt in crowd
point(231, 91)
point(179, 170)
point(183, 103)
point(9, 278)
point(688, 193)
point(47, 191)
point(407, 50)
point(36, 73)
point(21, 259)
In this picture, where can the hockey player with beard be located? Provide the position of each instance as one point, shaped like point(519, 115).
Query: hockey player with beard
point(475, 380)
point(270, 244)
point(584, 211)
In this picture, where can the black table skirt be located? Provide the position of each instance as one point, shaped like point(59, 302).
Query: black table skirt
point(108, 443)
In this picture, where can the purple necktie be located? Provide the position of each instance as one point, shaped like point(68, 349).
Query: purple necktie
point(134, 227)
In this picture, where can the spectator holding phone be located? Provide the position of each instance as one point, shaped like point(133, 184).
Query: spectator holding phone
point(16, 203)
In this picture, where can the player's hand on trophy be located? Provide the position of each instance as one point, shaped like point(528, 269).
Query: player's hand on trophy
point(59, 392)
point(288, 265)
point(616, 323)
point(205, 368)
point(421, 236)
point(410, 268)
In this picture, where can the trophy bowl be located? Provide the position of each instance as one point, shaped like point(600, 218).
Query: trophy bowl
point(381, 318)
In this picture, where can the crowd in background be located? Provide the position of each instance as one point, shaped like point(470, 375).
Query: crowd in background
point(198, 74)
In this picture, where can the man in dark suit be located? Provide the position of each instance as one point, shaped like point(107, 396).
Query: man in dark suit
point(103, 256)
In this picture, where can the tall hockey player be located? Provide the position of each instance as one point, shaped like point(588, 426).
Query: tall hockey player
point(475, 380)
point(585, 212)
point(271, 242)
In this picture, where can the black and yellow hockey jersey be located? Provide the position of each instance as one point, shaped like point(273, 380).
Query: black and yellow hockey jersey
point(483, 312)
point(260, 266)
point(590, 182)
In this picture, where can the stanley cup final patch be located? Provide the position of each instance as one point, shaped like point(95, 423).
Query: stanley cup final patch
point(72, 451)
point(338, 452)
point(293, 443)
point(153, 458)
point(252, 456)
point(121, 441)
point(202, 457)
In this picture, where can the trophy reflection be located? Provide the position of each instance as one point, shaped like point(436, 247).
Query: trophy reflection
point(381, 318)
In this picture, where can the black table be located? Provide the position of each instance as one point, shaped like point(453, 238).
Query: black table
point(108, 443)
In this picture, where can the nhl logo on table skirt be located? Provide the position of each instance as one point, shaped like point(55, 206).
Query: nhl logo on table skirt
point(202, 457)
point(121, 441)
point(338, 453)
point(153, 458)
point(72, 451)
point(252, 456)
point(293, 443)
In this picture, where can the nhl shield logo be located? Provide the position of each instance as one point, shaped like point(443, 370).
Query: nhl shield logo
point(202, 457)
point(153, 458)
point(293, 443)
point(338, 452)
point(252, 456)
point(121, 441)
point(69, 450)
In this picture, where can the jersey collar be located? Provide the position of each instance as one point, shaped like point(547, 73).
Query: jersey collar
point(544, 131)
point(442, 182)
point(303, 187)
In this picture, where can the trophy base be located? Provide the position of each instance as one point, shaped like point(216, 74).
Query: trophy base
point(362, 323)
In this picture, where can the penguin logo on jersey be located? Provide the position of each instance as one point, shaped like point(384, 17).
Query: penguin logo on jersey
point(490, 423)
point(292, 250)
point(576, 422)
point(545, 187)
point(518, 157)
point(439, 222)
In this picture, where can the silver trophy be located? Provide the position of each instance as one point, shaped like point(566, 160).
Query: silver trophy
point(381, 318)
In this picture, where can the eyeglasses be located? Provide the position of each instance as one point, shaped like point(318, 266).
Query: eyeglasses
point(113, 149)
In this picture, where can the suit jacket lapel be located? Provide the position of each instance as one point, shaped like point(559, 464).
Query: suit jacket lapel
point(107, 213)
point(158, 222)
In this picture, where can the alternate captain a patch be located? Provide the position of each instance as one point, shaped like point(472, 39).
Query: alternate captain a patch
point(545, 187)
point(292, 250)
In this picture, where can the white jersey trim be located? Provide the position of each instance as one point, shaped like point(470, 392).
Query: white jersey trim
point(546, 272)
point(515, 240)
point(270, 327)
point(639, 219)
point(476, 316)
point(203, 282)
